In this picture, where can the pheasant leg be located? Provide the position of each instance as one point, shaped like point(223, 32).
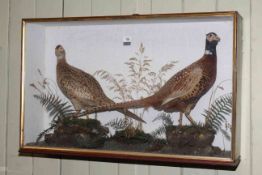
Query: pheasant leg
point(180, 120)
point(192, 121)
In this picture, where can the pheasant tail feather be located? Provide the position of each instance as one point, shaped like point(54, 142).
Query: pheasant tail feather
point(143, 103)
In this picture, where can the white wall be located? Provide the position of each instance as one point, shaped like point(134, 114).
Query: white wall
point(11, 12)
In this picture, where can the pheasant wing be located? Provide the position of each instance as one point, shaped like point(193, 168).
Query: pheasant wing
point(82, 86)
point(186, 82)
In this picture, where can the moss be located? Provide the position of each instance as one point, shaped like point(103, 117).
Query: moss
point(89, 133)
point(82, 133)
point(87, 123)
point(189, 136)
point(132, 136)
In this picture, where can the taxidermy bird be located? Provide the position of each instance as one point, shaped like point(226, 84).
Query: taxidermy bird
point(184, 89)
point(81, 88)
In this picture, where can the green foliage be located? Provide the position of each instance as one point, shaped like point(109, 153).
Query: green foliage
point(166, 119)
point(84, 123)
point(132, 135)
point(216, 114)
point(43, 133)
point(159, 131)
point(119, 124)
point(56, 108)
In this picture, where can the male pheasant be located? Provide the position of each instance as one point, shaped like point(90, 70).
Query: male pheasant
point(184, 89)
point(81, 88)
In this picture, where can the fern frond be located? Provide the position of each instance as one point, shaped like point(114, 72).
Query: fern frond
point(118, 124)
point(43, 133)
point(55, 106)
point(159, 131)
point(166, 118)
point(216, 114)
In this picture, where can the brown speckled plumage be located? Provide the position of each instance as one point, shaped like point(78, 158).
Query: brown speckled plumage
point(183, 90)
point(81, 88)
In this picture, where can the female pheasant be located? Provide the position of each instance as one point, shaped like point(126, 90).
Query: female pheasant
point(184, 89)
point(81, 88)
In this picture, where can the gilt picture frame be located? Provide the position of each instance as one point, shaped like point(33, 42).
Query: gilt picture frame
point(154, 89)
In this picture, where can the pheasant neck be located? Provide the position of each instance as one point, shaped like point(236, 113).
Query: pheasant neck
point(61, 59)
point(211, 48)
point(207, 52)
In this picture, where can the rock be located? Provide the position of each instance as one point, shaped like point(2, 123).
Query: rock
point(191, 140)
point(189, 136)
point(81, 133)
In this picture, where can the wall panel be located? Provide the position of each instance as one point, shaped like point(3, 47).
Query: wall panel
point(142, 170)
point(198, 6)
point(98, 168)
point(143, 6)
point(139, 7)
point(74, 167)
point(243, 7)
point(256, 38)
point(47, 9)
point(194, 171)
point(156, 170)
point(44, 166)
point(126, 169)
point(76, 8)
point(106, 7)
point(128, 7)
point(4, 20)
point(100, 8)
point(167, 6)
point(15, 164)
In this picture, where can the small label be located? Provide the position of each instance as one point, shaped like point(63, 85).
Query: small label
point(127, 40)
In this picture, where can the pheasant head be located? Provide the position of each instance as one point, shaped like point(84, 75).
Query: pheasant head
point(211, 42)
point(60, 52)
